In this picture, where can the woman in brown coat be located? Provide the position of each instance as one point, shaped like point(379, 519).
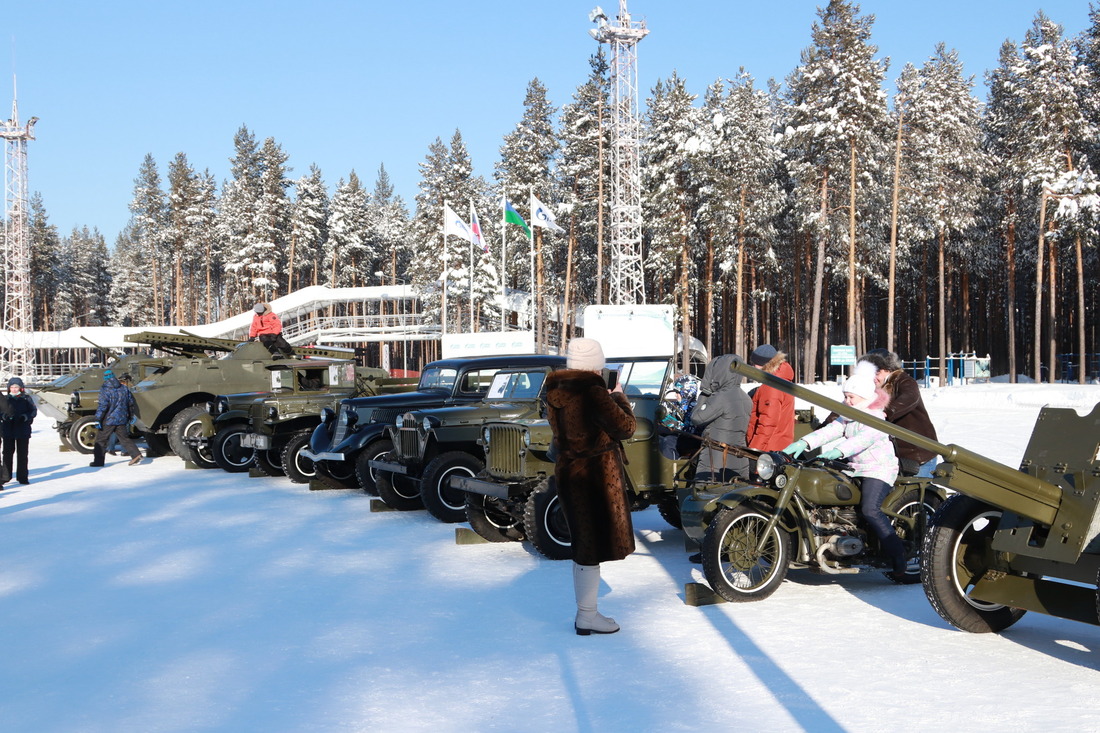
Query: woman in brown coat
point(588, 422)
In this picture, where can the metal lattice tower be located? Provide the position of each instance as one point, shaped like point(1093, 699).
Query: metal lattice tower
point(627, 275)
point(18, 359)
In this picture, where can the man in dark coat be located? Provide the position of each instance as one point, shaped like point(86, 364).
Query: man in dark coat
point(906, 410)
point(588, 424)
point(116, 407)
point(723, 414)
point(17, 412)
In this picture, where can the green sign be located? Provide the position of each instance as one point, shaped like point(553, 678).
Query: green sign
point(842, 355)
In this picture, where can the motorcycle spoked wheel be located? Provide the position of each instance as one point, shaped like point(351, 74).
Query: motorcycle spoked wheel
point(957, 553)
point(908, 505)
point(490, 518)
point(731, 563)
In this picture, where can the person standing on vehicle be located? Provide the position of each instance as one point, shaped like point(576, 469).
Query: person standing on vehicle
point(116, 407)
point(871, 459)
point(588, 422)
point(906, 410)
point(267, 327)
point(771, 423)
point(17, 412)
point(723, 414)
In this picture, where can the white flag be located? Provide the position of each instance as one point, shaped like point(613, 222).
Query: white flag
point(541, 216)
point(453, 224)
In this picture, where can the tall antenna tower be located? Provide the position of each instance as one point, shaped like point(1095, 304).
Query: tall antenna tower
point(627, 275)
point(18, 359)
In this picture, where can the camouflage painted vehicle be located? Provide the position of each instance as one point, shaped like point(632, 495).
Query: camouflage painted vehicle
point(356, 434)
point(254, 428)
point(514, 496)
point(430, 446)
point(171, 399)
point(72, 400)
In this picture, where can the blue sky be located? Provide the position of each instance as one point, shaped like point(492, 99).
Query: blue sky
point(354, 85)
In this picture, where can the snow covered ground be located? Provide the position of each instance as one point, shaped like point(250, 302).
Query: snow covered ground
point(154, 598)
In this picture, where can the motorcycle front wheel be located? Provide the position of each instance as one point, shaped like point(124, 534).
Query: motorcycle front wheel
point(732, 563)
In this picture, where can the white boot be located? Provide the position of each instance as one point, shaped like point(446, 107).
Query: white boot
point(586, 585)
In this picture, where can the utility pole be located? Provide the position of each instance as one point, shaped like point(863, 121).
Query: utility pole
point(18, 358)
point(627, 275)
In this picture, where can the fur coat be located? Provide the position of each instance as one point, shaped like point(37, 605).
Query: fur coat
point(906, 410)
point(588, 423)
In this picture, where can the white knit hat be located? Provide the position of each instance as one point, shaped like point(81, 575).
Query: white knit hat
point(862, 385)
point(586, 354)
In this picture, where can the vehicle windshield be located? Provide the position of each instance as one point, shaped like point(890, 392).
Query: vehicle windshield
point(641, 377)
point(437, 378)
point(516, 385)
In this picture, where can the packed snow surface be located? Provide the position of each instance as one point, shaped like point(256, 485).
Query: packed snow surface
point(154, 598)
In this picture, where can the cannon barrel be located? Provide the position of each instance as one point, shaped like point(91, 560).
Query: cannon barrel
point(963, 470)
point(109, 353)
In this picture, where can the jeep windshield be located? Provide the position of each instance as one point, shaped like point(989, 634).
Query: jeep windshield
point(516, 385)
point(442, 379)
point(641, 377)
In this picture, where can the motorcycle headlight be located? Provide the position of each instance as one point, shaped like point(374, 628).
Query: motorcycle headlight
point(328, 415)
point(273, 413)
point(427, 425)
point(765, 466)
point(485, 437)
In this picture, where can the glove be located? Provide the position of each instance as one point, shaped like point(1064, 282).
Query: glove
point(832, 455)
point(795, 449)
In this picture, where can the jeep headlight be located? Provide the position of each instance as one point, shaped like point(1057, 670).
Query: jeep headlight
point(328, 415)
point(273, 413)
point(765, 466)
point(485, 437)
point(527, 438)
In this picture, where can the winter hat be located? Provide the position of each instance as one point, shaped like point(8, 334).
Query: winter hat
point(866, 367)
point(762, 355)
point(107, 374)
point(259, 307)
point(586, 354)
point(862, 385)
point(15, 382)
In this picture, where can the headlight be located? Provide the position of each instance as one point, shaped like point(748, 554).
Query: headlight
point(210, 407)
point(222, 406)
point(399, 422)
point(765, 466)
point(273, 413)
point(527, 438)
point(485, 437)
point(781, 481)
point(328, 415)
point(75, 402)
point(353, 416)
point(427, 425)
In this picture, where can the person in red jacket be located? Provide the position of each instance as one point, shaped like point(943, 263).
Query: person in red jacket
point(267, 327)
point(771, 423)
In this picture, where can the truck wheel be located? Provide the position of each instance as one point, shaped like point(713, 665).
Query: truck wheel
point(183, 422)
point(398, 491)
point(227, 450)
point(909, 506)
point(299, 469)
point(731, 563)
point(544, 522)
point(156, 445)
point(368, 477)
point(957, 554)
point(82, 434)
point(269, 462)
point(669, 508)
point(489, 517)
point(443, 502)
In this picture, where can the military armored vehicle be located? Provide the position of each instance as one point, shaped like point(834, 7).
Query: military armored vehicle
point(357, 433)
point(1010, 541)
point(431, 446)
point(253, 428)
point(72, 400)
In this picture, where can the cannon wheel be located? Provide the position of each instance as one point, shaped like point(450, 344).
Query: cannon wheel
point(731, 563)
point(957, 552)
point(443, 502)
point(908, 505)
point(398, 491)
point(228, 452)
point(299, 469)
point(368, 477)
point(489, 517)
point(83, 433)
point(545, 524)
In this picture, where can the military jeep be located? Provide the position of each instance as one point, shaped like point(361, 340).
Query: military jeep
point(515, 498)
point(357, 433)
point(254, 428)
point(431, 446)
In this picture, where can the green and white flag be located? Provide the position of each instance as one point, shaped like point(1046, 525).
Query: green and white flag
point(512, 217)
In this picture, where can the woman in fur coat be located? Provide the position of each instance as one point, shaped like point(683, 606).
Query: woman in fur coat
point(588, 422)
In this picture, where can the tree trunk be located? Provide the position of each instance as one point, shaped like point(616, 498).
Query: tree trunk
point(709, 280)
point(739, 312)
point(896, 195)
point(942, 305)
point(852, 242)
point(1010, 256)
point(1082, 360)
point(819, 280)
point(1038, 340)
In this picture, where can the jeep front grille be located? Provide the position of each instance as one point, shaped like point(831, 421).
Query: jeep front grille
point(507, 450)
point(408, 443)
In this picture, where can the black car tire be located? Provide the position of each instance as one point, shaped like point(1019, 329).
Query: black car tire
point(491, 520)
point(298, 468)
point(368, 477)
point(398, 491)
point(445, 503)
point(269, 462)
point(82, 434)
point(181, 423)
point(669, 508)
point(227, 450)
point(545, 524)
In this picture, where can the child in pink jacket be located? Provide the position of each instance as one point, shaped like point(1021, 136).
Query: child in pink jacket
point(870, 455)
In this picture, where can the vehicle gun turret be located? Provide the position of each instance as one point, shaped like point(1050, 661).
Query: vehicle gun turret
point(1009, 541)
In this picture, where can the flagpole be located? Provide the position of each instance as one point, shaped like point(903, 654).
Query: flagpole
point(471, 273)
point(503, 249)
point(531, 262)
point(446, 206)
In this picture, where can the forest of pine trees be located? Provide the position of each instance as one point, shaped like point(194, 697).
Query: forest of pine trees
point(818, 211)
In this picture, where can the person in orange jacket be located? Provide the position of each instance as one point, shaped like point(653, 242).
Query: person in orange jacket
point(771, 423)
point(267, 327)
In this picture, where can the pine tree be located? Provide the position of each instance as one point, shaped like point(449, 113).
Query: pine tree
point(308, 230)
point(45, 264)
point(348, 250)
point(130, 296)
point(148, 227)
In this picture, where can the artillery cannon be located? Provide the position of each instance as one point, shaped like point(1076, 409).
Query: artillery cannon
point(1010, 541)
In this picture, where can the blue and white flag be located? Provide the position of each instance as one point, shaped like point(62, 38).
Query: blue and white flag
point(453, 224)
point(541, 216)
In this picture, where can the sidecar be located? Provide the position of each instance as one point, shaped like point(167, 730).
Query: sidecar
point(803, 514)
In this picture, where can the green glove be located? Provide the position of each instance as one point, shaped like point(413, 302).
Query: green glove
point(795, 449)
point(832, 455)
